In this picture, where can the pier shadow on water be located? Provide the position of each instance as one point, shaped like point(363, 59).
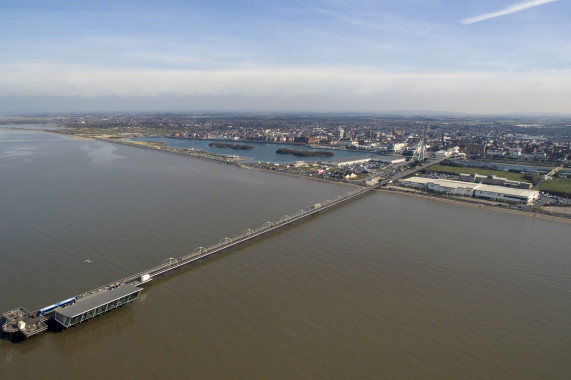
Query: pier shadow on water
point(85, 334)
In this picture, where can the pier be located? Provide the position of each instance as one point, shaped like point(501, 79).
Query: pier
point(85, 306)
point(90, 304)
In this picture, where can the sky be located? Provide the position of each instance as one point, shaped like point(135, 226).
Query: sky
point(471, 56)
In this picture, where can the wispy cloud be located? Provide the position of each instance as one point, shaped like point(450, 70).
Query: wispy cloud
point(509, 10)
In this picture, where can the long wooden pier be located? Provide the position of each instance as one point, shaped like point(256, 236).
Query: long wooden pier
point(249, 234)
point(107, 297)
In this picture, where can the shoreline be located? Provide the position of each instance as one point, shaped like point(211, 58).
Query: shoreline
point(290, 143)
point(470, 202)
point(404, 191)
point(205, 156)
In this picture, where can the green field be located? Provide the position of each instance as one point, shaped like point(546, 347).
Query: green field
point(557, 185)
point(457, 170)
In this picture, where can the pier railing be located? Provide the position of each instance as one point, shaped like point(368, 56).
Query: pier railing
point(249, 234)
point(11, 319)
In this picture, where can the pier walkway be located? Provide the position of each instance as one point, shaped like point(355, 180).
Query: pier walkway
point(95, 302)
point(249, 234)
point(88, 304)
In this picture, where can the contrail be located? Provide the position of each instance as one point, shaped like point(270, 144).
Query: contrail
point(512, 9)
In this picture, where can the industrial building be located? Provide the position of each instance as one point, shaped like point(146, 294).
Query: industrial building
point(493, 180)
point(390, 160)
point(475, 190)
point(350, 161)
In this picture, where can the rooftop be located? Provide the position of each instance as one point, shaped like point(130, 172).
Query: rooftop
point(474, 186)
point(102, 297)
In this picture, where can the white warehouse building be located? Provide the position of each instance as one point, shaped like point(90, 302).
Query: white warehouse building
point(348, 161)
point(476, 190)
point(390, 160)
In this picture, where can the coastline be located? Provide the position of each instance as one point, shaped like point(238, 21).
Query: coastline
point(404, 191)
point(204, 156)
point(471, 202)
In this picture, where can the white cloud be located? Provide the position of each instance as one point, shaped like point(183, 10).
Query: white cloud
point(304, 88)
point(512, 9)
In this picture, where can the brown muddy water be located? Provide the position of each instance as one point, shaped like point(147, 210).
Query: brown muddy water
point(387, 286)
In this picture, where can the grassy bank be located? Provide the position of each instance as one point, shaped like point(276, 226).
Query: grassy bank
point(560, 186)
point(457, 170)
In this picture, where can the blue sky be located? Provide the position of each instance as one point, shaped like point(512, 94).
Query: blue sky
point(468, 56)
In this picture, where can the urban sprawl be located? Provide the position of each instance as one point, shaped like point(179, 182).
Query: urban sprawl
point(513, 160)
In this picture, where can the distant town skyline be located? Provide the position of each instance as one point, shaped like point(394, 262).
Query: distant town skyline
point(285, 56)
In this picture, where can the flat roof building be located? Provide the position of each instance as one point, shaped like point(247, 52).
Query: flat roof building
point(342, 162)
point(506, 194)
point(95, 304)
point(476, 190)
point(391, 160)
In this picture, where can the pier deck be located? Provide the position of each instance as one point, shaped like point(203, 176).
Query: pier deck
point(22, 320)
point(95, 302)
point(105, 298)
